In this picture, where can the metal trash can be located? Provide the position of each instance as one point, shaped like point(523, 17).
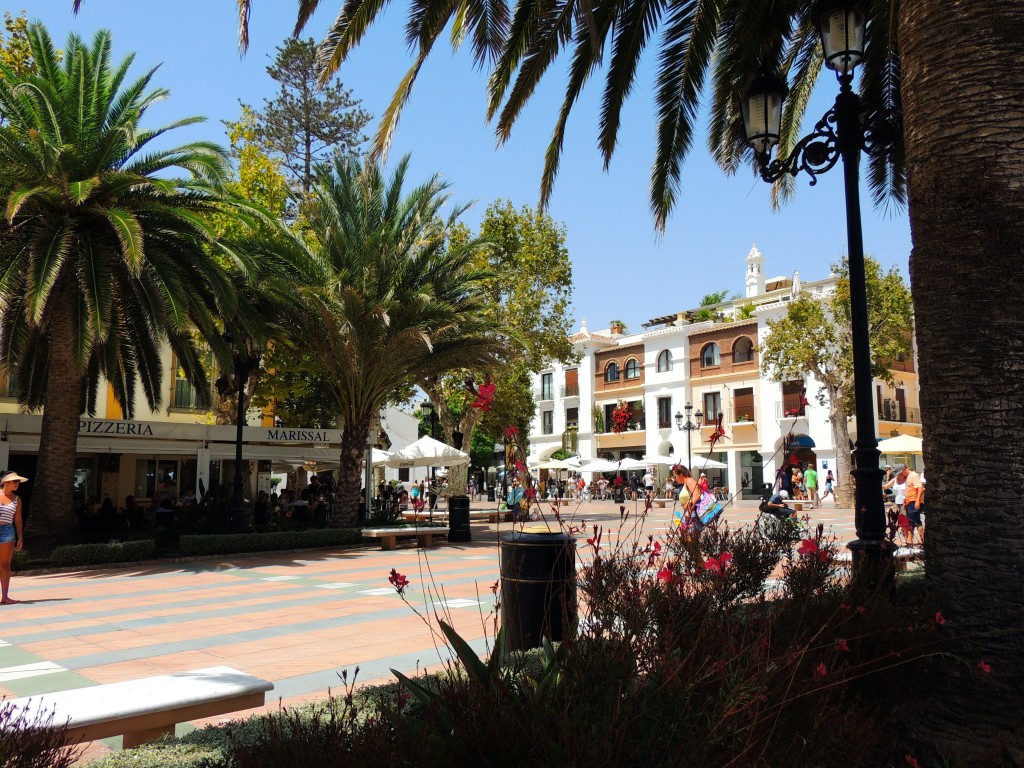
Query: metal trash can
point(490, 493)
point(619, 496)
point(458, 519)
point(538, 586)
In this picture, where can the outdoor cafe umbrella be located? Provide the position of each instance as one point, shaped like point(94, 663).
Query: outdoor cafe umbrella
point(901, 445)
point(427, 452)
point(600, 465)
point(668, 461)
point(702, 462)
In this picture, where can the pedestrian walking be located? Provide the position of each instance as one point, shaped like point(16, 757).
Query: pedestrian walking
point(811, 483)
point(829, 480)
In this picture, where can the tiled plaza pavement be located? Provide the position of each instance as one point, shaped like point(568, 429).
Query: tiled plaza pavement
point(296, 619)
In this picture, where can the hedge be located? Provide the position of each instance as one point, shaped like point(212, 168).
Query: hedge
point(229, 543)
point(100, 554)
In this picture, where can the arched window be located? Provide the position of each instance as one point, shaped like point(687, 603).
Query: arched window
point(664, 361)
point(611, 373)
point(632, 368)
point(709, 356)
point(742, 350)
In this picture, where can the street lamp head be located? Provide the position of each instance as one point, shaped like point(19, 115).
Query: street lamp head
point(700, 417)
point(841, 26)
point(426, 408)
point(762, 112)
point(679, 421)
point(689, 409)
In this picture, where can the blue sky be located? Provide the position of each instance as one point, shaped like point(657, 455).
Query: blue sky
point(622, 268)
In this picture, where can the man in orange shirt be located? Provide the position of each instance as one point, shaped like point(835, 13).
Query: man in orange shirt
point(914, 497)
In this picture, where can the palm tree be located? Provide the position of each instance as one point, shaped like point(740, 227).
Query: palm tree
point(105, 252)
point(954, 68)
point(401, 302)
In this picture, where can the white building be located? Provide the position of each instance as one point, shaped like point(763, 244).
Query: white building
point(679, 360)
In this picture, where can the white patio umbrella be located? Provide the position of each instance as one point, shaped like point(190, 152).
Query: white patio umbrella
point(628, 464)
point(556, 464)
point(702, 462)
point(900, 445)
point(427, 452)
point(377, 456)
point(667, 461)
point(600, 465)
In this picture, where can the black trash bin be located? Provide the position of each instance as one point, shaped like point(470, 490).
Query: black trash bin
point(538, 586)
point(619, 496)
point(490, 494)
point(458, 519)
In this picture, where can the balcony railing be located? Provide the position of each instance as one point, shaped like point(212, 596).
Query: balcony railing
point(790, 408)
point(545, 393)
point(741, 414)
point(570, 390)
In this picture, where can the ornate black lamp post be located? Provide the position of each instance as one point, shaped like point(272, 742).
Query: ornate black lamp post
point(689, 427)
point(841, 133)
point(427, 409)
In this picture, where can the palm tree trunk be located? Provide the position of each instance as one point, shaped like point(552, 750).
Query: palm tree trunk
point(349, 500)
point(965, 158)
point(52, 520)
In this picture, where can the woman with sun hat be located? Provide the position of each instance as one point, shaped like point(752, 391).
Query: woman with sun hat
point(11, 535)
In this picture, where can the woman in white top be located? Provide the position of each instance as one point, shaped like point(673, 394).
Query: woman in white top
point(11, 536)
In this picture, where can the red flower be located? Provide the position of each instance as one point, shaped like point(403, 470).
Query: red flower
point(666, 575)
point(494, 588)
point(808, 547)
point(718, 564)
point(531, 492)
point(938, 620)
point(595, 542)
point(821, 670)
point(511, 432)
point(398, 581)
point(912, 761)
point(484, 394)
point(842, 645)
point(985, 668)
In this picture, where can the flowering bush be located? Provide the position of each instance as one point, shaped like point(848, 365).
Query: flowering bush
point(622, 416)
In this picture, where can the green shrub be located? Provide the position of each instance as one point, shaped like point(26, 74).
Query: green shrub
point(228, 543)
point(20, 560)
point(99, 554)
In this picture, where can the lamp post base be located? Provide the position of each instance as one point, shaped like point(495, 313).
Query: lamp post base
point(872, 569)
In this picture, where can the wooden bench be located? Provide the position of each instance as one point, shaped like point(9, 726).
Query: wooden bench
point(146, 709)
point(389, 536)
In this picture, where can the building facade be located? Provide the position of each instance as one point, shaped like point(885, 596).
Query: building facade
point(712, 365)
point(178, 449)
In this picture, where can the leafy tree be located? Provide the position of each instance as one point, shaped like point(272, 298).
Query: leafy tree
point(305, 122)
point(105, 246)
point(529, 285)
point(402, 301)
point(15, 51)
point(814, 338)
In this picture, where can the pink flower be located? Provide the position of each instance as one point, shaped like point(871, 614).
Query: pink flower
point(912, 761)
point(842, 645)
point(985, 668)
point(718, 564)
point(398, 581)
point(821, 670)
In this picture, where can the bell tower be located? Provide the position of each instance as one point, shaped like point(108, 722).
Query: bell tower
point(755, 273)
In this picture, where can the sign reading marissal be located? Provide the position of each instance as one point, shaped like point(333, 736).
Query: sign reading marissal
point(300, 435)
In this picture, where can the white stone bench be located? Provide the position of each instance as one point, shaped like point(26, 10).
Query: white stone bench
point(900, 556)
point(389, 536)
point(144, 710)
point(660, 503)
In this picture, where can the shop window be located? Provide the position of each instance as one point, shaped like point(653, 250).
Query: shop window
point(156, 479)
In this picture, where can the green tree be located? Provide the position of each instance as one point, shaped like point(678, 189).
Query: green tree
point(305, 122)
point(401, 302)
point(814, 338)
point(710, 299)
point(15, 51)
point(963, 158)
point(529, 286)
point(105, 250)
